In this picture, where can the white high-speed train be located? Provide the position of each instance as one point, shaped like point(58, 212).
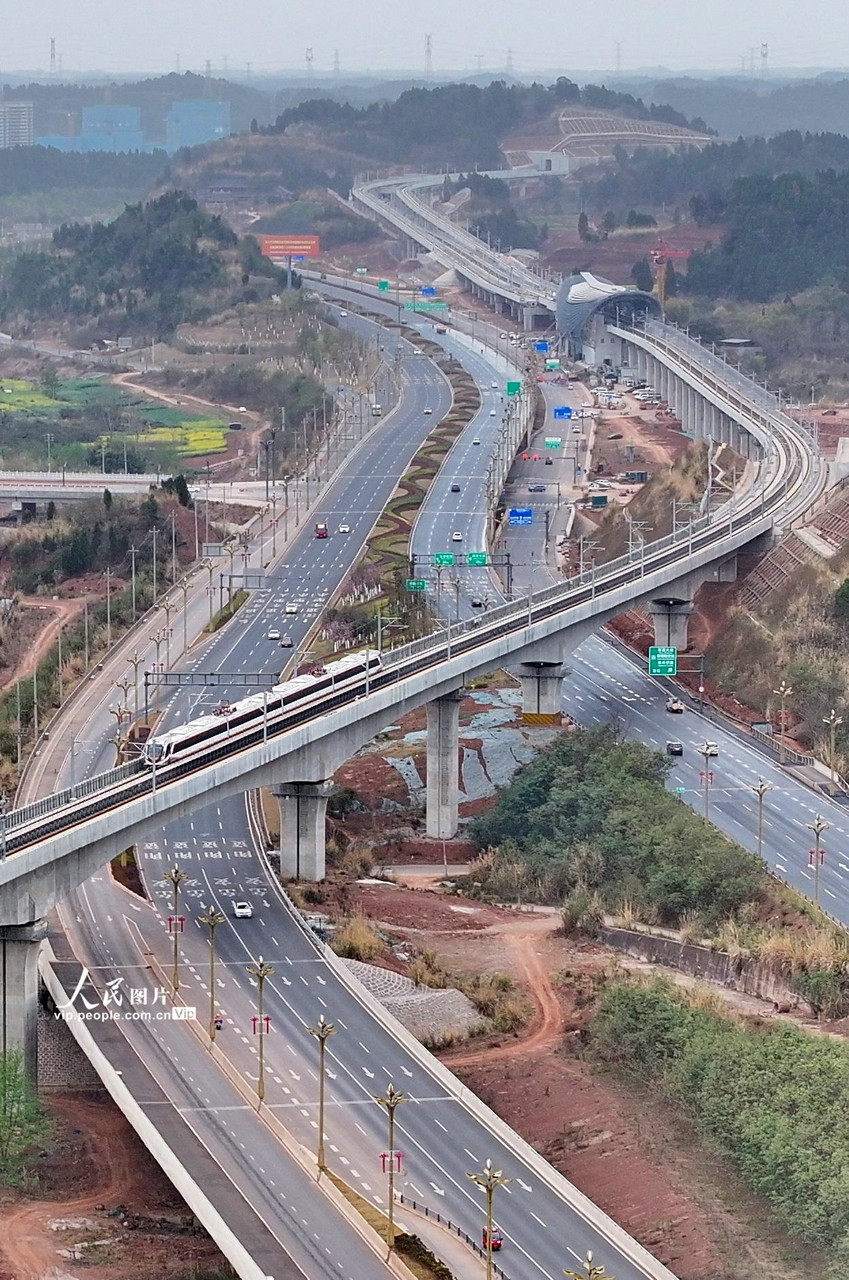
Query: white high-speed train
point(230, 720)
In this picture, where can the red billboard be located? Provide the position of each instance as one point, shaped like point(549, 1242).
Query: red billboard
point(280, 247)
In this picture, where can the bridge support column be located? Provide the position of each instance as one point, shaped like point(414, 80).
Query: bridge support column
point(443, 764)
point(671, 620)
point(303, 807)
point(542, 691)
point(19, 948)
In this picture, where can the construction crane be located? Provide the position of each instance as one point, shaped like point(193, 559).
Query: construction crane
point(661, 255)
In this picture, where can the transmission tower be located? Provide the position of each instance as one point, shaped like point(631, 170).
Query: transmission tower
point(764, 60)
point(429, 57)
point(52, 56)
point(336, 67)
point(309, 56)
point(618, 44)
point(509, 64)
point(478, 63)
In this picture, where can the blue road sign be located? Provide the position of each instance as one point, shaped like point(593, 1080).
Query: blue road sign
point(520, 515)
point(298, 257)
point(541, 346)
point(563, 411)
point(428, 291)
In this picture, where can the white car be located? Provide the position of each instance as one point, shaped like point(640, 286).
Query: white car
point(242, 910)
point(344, 528)
point(427, 411)
point(343, 313)
point(494, 386)
point(291, 607)
point(502, 335)
point(476, 440)
point(273, 634)
point(493, 413)
point(456, 536)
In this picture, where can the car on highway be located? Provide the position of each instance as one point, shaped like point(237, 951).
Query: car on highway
point(675, 706)
point(242, 910)
point(536, 488)
point(343, 313)
point(344, 528)
point(455, 488)
point(456, 536)
point(476, 440)
point(675, 748)
point(428, 410)
point(273, 634)
point(286, 642)
point(494, 386)
point(710, 749)
point(476, 602)
point(502, 335)
point(291, 607)
point(549, 462)
point(493, 412)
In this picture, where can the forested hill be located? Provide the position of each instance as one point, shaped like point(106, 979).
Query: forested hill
point(704, 177)
point(151, 268)
point(785, 234)
point(460, 124)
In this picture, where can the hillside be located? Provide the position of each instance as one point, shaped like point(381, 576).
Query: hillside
point(152, 268)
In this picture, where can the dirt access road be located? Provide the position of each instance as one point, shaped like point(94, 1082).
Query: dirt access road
point(97, 1164)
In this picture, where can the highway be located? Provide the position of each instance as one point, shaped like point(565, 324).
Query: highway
point(215, 848)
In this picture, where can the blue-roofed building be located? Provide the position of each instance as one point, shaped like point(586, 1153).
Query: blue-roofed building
point(584, 303)
point(190, 123)
point(110, 127)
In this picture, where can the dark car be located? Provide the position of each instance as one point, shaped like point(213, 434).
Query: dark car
point(286, 642)
point(549, 462)
point(455, 488)
point(476, 602)
point(536, 488)
point(675, 748)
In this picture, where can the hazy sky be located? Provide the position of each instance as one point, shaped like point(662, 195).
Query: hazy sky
point(380, 35)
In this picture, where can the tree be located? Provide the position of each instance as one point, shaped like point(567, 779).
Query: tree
point(50, 513)
point(22, 1122)
point(642, 276)
point(107, 499)
point(841, 600)
point(583, 226)
point(609, 222)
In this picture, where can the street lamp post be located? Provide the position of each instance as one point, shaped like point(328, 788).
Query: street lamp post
point(322, 1032)
point(832, 720)
point(390, 1103)
point(212, 919)
point(260, 971)
point(136, 661)
point(592, 1270)
point(818, 826)
point(760, 790)
point(490, 1179)
point(706, 752)
point(175, 878)
point(783, 692)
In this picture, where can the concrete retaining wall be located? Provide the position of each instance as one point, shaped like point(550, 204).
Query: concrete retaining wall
point(701, 962)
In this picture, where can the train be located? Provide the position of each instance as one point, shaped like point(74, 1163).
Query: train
point(230, 719)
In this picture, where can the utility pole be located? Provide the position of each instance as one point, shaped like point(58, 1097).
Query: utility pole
point(212, 919)
point(133, 554)
point(390, 1103)
point(832, 720)
point(783, 692)
point(428, 63)
point(706, 752)
point(261, 971)
point(175, 878)
point(816, 856)
point(760, 790)
point(108, 609)
point(490, 1179)
point(154, 531)
point(173, 546)
point(322, 1032)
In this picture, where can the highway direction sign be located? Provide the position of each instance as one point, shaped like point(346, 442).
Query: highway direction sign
point(553, 442)
point(416, 584)
point(361, 271)
point(563, 411)
point(425, 306)
point(513, 388)
point(428, 291)
point(444, 559)
point(477, 557)
point(541, 346)
point(383, 285)
point(552, 364)
point(663, 660)
point(520, 515)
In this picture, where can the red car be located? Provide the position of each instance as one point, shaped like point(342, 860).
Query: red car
point(497, 1239)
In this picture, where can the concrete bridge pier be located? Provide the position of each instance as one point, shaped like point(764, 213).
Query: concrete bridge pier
point(443, 763)
point(19, 948)
point(671, 622)
point(542, 691)
point(303, 808)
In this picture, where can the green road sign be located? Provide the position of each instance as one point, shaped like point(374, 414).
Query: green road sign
point(426, 305)
point(679, 791)
point(477, 557)
point(361, 271)
point(383, 285)
point(552, 364)
point(444, 559)
point(553, 442)
point(416, 584)
point(513, 388)
point(663, 660)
